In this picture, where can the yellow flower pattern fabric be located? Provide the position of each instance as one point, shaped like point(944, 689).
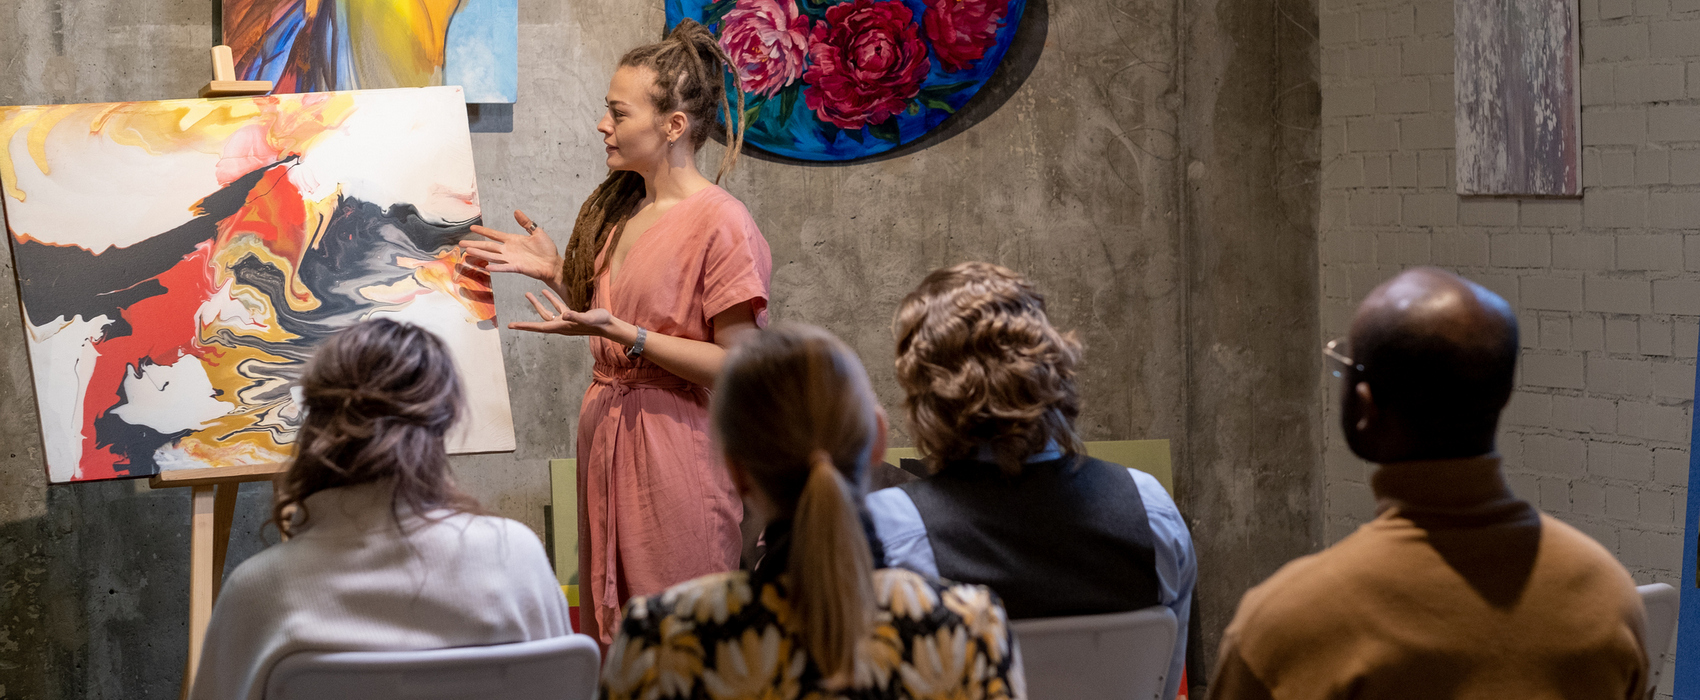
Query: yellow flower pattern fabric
point(722, 637)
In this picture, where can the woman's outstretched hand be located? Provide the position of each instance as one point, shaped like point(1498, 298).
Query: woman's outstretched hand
point(531, 254)
point(565, 321)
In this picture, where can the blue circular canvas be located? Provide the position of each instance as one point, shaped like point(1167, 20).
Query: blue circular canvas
point(836, 80)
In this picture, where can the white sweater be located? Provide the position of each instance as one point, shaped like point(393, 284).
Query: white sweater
point(350, 581)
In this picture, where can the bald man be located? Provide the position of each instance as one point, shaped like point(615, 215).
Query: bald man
point(1457, 589)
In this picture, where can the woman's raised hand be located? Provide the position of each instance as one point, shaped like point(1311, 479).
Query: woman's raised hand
point(531, 254)
point(563, 320)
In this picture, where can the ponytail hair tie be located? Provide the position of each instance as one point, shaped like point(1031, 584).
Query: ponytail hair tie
point(821, 459)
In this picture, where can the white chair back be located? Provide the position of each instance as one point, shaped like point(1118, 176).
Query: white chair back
point(562, 668)
point(1118, 656)
point(1661, 603)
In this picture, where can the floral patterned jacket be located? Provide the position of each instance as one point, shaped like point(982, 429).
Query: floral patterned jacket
point(723, 637)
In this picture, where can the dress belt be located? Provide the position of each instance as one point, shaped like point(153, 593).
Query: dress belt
point(623, 380)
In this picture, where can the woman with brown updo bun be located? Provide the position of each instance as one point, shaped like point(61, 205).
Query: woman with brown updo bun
point(663, 273)
point(385, 552)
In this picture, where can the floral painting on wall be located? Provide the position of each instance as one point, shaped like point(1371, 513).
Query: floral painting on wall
point(832, 80)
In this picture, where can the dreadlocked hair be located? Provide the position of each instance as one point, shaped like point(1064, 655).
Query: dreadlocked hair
point(690, 70)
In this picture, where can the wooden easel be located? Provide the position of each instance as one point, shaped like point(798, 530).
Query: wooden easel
point(224, 82)
point(214, 492)
point(214, 488)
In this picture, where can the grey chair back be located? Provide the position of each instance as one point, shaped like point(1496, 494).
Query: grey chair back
point(562, 668)
point(1118, 656)
point(1660, 600)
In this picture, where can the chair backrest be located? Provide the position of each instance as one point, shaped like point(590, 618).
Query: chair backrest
point(562, 668)
point(1120, 656)
point(1661, 603)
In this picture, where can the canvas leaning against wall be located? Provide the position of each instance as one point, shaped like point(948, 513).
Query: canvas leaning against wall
point(179, 261)
point(366, 44)
point(1519, 111)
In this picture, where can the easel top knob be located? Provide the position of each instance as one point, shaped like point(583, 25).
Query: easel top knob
point(224, 82)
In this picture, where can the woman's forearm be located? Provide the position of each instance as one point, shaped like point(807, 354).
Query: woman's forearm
point(693, 360)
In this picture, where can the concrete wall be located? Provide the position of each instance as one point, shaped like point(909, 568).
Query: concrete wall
point(1607, 288)
point(1249, 484)
point(1148, 163)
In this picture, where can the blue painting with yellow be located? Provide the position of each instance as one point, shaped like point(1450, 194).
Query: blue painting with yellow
point(362, 44)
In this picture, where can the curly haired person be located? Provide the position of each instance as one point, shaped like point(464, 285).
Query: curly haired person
point(1013, 502)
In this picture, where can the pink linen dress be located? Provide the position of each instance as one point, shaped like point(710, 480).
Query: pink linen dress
point(655, 506)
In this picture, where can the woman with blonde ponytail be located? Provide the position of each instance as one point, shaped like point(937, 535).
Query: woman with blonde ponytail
point(663, 273)
point(798, 424)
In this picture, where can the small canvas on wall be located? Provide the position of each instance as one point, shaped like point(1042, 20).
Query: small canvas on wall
point(364, 44)
point(1518, 103)
point(179, 261)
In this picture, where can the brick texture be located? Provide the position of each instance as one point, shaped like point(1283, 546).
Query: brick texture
point(1607, 288)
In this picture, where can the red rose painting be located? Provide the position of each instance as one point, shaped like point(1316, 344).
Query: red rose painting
point(768, 42)
point(962, 30)
point(838, 80)
point(869, 60)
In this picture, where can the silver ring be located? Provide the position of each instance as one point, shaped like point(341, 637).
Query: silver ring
point(531, 228)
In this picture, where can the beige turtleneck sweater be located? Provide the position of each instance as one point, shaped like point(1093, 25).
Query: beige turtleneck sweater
point(1456, 589)
point(352, 581)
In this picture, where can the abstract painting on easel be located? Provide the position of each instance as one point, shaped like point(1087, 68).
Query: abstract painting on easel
point(363, 44)
point(179, 261)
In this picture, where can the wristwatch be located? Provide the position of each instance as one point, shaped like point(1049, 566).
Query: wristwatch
point(636, 349)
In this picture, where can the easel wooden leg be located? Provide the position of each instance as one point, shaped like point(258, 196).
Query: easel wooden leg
point(224, 510)
point(214, 495)
point(209, 539)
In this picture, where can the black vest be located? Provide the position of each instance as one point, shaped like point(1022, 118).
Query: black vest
point(1065, 537)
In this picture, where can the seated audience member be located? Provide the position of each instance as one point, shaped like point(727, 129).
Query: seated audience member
point(1013, 503)
point(1457, 589)
point(384, 552)
point(798, 424)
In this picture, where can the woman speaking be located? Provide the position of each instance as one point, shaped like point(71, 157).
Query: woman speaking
point(663, 272)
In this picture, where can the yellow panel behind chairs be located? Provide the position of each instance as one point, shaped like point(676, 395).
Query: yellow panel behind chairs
point(1149, 456)
point(563, 488)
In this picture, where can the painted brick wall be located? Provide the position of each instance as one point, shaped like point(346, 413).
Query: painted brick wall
point(1607, 288)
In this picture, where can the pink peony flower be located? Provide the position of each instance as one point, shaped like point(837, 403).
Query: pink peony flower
point(868, 61)
point(962, 30)
point(768, 42)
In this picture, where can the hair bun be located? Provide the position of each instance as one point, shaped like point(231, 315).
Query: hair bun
point(366, 404)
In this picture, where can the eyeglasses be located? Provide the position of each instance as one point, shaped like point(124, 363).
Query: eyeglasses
point(1329, 351)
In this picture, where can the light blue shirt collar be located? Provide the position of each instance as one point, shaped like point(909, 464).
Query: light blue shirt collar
point(1052, 451)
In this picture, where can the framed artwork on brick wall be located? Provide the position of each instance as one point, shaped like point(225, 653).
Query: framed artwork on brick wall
point(1519, 108)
